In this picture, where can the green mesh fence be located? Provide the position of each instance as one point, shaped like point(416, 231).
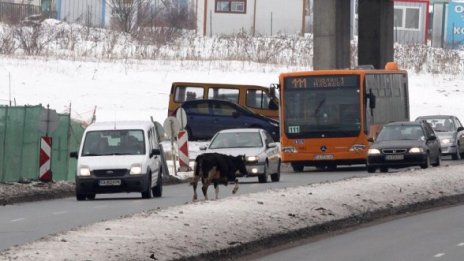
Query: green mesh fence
point(20, 144)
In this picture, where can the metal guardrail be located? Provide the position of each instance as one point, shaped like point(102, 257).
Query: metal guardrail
point(14, 13)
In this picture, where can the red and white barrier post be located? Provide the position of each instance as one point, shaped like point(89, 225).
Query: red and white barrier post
point(45, 173)
point(182, 144)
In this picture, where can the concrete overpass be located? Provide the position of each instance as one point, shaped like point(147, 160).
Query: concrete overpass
point(332, 33)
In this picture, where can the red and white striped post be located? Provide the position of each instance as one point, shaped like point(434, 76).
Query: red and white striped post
point(45, 173)
point(182, 143)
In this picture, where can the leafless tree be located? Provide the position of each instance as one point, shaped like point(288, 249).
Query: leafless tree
point(176, 15)
point(128, 15)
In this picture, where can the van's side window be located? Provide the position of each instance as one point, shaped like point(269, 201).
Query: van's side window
point(187, 93)
point(224, 94)
point(257, 99)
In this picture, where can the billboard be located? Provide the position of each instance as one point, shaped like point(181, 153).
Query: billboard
point(455, 24)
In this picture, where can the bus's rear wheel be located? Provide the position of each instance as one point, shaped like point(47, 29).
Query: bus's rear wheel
point(297, 167)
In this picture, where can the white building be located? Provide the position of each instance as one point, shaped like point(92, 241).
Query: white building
point(257, 17)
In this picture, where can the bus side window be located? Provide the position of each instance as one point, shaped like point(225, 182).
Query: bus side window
point(187, 93)
point(225, 94)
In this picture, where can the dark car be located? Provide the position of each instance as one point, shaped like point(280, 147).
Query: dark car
point(206, 117)
point(450, 132)
point(404, 144)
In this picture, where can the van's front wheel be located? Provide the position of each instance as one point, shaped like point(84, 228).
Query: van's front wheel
point(158, 189)
point(147, 192)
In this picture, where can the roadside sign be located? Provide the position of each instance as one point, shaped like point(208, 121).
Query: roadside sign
point(48, 121)
point(172, 127)
point(181, 117)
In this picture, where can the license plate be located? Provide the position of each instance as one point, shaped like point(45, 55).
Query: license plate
point(324, 157)
point(109, 182)
point(394, 157)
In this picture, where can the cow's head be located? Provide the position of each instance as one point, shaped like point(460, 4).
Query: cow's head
point(240, 162)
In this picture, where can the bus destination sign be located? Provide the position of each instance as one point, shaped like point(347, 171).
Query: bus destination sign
point(327, 81)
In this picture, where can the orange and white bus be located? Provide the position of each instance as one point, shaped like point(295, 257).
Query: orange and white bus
point(327, 116)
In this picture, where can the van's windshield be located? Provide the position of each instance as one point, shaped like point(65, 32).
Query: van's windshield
point(114, 142)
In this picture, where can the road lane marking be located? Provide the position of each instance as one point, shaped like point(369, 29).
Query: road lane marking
point(461, 244)
point(18, 219)
point(101, 206)
point(60, 212)
point(439, 255)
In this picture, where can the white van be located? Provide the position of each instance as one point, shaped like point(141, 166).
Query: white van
point(118, 157)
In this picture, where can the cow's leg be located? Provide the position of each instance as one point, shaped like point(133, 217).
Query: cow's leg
point(204, 188)
point(211, 175)
point(194, 184)
point(216, 189)
point(235, 187)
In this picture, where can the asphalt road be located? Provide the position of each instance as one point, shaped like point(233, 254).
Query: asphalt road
point(21, 223)
point(433, 235)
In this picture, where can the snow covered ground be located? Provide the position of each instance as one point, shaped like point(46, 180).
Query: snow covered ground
point(138, 90)
point(243, 221)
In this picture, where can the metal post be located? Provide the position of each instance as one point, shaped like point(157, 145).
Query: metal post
point(4, 146)
point(210, 23)
point(68, 143)
point(22, 144)
point(271, 24)
point(174, 157)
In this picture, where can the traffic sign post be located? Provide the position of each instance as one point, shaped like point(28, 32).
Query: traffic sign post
point(182, 143)
point(172, 127)
point(45, 172)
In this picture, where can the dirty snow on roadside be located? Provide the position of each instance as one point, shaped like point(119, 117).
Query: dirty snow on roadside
point(185, 231)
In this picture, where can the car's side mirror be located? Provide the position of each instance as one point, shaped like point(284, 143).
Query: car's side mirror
point(155, 152)
point(272, 145)
point(73, 154)
point(370, 139)
point(203, 147)
point(460, 129)
point(432, 138)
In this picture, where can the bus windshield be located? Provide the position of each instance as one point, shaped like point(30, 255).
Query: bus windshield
point(322, 106)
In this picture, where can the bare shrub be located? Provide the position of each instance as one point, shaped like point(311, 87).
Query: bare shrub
point(7, 43)
point(32, 37)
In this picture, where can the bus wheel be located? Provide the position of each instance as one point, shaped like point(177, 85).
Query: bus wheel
point(297, 167)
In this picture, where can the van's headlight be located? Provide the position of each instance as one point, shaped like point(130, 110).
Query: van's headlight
point(83, 171)
point(136, 169)
point(373, 152)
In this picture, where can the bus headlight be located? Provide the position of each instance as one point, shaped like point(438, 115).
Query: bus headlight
point(289, 149)
point(416, 150)
point(373, 152)
point(358, 147)
point(136, 169)
point(84, 171)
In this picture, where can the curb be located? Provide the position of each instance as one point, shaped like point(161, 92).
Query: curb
point(276, 240)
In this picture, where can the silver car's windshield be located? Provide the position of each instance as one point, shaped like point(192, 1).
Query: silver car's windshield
point(401, 132)
point(442, 124)
point(236, 140)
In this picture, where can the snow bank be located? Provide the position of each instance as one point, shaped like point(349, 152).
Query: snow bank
point(212, 228)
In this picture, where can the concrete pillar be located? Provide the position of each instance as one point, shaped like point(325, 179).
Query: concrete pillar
point(331, 34)
point(375, 28)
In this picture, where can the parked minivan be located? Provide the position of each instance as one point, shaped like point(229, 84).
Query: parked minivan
point(119, 157)
point(259, 99)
